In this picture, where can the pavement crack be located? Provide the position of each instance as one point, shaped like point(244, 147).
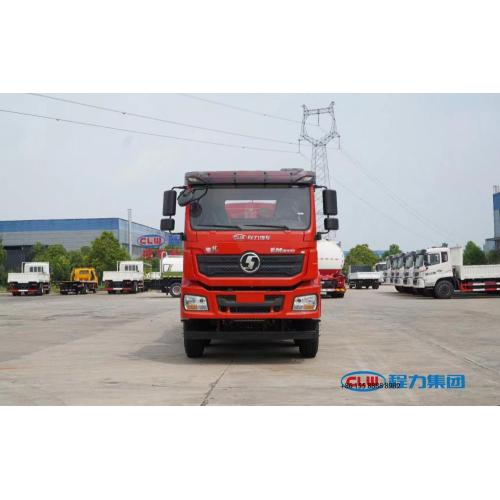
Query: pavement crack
point(213, 385)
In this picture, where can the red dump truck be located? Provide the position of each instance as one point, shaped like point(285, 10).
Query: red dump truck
point(250, 257)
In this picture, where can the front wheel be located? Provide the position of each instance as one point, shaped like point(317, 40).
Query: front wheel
point(308, 348)
point(375, 286)
point(443, 290)
point(175, 290)
point(194, 347)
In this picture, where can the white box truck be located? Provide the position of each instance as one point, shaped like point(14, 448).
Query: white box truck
point(440, 272)
point(363, 276)
point(128, 277)
point(34, 279)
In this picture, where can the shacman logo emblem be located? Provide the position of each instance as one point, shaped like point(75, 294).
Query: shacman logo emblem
point(250, 262)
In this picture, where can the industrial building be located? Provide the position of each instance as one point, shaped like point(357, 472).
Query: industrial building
point(494, 243)
point(18, 236)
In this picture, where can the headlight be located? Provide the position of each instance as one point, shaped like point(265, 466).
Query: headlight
point(305, 303)
point(195, 303)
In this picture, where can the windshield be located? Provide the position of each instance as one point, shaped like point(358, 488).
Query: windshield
point(252, 208)
point(419, 260)
point(409, 261)
point(380, 267)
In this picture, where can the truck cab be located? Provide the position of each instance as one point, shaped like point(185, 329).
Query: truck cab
point(431, 266)
point(250, 256)
point(409, 266)
point(388, 271)
point(381, 268)
point(399, 272)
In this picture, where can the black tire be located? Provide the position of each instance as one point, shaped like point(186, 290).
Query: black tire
point(351, 286)
point(375, 286)
point(443, 290)
point(175, 290)
point(64, 293)
point(399, 289)
point(194, 347)
point(359, 286)
point(135, 287)
point(308, 348)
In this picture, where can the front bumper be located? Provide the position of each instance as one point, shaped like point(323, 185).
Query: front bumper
point(252, 304)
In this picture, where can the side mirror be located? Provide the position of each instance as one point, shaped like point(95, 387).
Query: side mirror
point(330, 202)
point(332, 224)
point(167, 224)
point(169, 202)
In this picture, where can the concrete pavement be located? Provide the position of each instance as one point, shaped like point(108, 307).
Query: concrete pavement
point(127, 350)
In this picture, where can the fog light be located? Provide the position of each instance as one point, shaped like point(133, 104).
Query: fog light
point(305, 303)
point(195, 303)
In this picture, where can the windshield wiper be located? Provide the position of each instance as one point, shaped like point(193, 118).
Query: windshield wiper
point(276, 226)
point(219, 226)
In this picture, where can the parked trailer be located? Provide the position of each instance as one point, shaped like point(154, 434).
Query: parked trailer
point(82, 280)
point(34, 279)
point(441, 273)
point(330, 264)
point(128, 278)
point(363, 276)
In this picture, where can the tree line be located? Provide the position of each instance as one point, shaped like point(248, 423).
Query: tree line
point(102, 253)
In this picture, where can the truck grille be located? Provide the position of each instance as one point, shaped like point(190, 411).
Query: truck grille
point(270, 265)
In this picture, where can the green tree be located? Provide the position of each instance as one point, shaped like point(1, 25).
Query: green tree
point(473, 255)
point(57, 257)
point(104, 252)
point(493, 257)
point(393, 250)
point(3, 259)
point(360, 255)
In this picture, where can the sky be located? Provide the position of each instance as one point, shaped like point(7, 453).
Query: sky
point(412, 169)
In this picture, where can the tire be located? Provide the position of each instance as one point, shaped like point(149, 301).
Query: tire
point(111, 292)
point(135, 287)
point(359, 286)
point(375, 286)
point(399, 289)
point(340, 296)
point(443, 290)
point(175, 290)
point(308, 348)
point(64, 293)
point(194, 347)
point(351, 286)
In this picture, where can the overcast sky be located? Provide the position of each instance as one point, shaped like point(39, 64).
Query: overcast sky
point(424, 164)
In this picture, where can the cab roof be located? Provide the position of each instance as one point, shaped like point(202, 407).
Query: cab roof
point(283, 176)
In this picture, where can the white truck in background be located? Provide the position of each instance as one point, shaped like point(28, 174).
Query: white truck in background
point(128, 277)
point(440, 272)
point(399, 272)
point(363, 276)
point(408, 270)
point(34, 279)
point(381, 268)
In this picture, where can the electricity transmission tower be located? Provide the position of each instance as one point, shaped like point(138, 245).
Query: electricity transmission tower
point(319, 156)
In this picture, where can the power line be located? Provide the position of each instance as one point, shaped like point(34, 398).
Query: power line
point(142, 132)
point(401, 202)
point(240, 108)
point(366, 202)
point(162, 120)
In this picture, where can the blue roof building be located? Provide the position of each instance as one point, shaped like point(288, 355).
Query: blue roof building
point(18, 236)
